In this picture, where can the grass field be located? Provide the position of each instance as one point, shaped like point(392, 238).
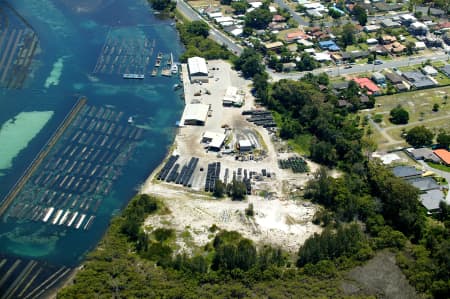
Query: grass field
point(419, 104)
point(439, 166)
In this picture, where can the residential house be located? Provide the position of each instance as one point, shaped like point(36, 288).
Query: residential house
point(446, 70)
point(273, 46)
point(372, 41)
point(394, 78)
point(388, 39)
point(419, 80)
point(424, 153)
point(389, 23)
point(378, 78)
point(386, 7)
point(278, 18)
point(429, 71)
point(424, 183)
point(367, 84)
point(354, 55)
point(322, 57)
point(296, 35)
point(418, 28)
point(444, 155)
point(406, 172)
point(329, 45)
point(431, 200)
point(433, 42)
point(371, 28)
point(418, 46)
point(407, 19)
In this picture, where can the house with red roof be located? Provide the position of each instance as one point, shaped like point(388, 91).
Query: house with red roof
point(367, 84)
point(293, 36)
point(444, 155)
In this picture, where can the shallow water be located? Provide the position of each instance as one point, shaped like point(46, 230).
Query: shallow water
point(72, 34)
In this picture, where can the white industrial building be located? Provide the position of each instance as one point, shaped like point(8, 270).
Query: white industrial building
point(195, 114)
point(214, 140)
point(198, 70)
point(245, 145)
point(233, 97)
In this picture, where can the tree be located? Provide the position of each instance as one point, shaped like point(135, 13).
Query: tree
point(419, 136)
point(219, 189)
point(443, 138)
point(163, 4)
point(436, 107)
point(249, 63)
point(198, 28)
point(225, 2)
point(360, 15)
point(238, 190)
point(239, 7)
point(399, 115)
point(410, 46)
point(258, 18)
point(250, 212)
point(348, 34)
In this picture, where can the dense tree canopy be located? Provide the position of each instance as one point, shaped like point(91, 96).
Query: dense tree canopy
point(443, 138)
point(258, 18)
point(360, 15)
point(399, 116)
point(249, 63)
point(419, 136)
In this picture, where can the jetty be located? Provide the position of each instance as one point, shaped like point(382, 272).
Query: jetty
point(42, 154)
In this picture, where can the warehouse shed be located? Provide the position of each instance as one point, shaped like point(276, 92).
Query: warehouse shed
point(198, 70)
point(195, 114)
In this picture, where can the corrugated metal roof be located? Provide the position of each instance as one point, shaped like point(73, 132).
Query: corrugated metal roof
point(197, 65)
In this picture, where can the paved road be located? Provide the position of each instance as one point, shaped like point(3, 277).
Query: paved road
point(294, 14)
point(362, 68)
point(216, 35)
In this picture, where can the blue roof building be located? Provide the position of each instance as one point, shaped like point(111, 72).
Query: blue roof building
point(329, 45)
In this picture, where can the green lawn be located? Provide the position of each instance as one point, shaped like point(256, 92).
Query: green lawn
point(300, 144)
point(439, 166)
point(419, 104)
point(442, 79)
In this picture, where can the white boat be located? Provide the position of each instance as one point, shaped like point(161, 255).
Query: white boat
point(174, 68)
point(130, 120)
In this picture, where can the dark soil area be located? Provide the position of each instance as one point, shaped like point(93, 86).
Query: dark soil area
point(380, 277)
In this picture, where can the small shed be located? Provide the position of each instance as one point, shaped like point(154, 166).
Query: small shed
point(245, 145)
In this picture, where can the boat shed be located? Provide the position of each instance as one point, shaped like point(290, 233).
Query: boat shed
point(198, 70)
point(195, 114)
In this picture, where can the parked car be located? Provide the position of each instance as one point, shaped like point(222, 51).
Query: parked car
point(378, 62)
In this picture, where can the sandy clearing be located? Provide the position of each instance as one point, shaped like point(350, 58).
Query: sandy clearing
point(283, 223)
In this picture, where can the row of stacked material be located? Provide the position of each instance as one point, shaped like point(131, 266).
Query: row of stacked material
point(186, 172)
point(211, 176)
point(297, 164)
point(260, 118)
point(164, 173)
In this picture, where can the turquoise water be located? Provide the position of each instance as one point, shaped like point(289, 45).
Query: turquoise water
point(17, 132)
point(72, 35)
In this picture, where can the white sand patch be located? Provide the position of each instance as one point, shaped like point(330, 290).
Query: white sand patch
point(16, 133)
point(55, 74)
point(280, 223)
